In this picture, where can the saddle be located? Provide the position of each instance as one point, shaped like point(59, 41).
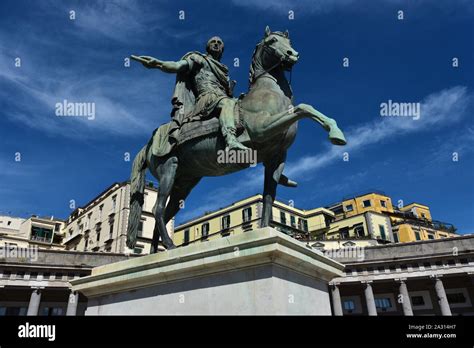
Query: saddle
point(161, 144)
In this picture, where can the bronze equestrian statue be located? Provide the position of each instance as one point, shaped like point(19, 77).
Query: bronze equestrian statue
point(206, 121)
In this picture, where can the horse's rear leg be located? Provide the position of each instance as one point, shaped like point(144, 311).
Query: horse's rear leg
point(180, 191)
point(273, 171)
point(166, 173)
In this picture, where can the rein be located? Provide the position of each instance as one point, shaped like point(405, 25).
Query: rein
point(281, 60)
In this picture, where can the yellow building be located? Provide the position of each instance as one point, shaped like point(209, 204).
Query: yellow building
point(418, 210)
point(245, 215)
point(366, 225)
point(369, 216)
point(414, 222)
point(409, 223)
point(373, 202)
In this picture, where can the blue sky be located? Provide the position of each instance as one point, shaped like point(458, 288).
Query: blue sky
point(81, 60)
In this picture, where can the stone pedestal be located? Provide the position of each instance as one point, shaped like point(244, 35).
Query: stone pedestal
point(260, 272)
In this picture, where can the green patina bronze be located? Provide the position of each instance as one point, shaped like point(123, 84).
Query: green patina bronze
point(207, 120)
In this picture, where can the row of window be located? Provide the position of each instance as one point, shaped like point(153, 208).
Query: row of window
point(419, 300)
point(225, 224)
point(34, 275)
point(21, 311)
point(360, 232)
point(302, 223)
point(246, 218)
point(88, 219)
point(417, 236)
point(366, 204)
point(414, 266)
point(381, 304)
point(97, 236)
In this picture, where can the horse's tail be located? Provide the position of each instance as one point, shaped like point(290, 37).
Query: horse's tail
point(137, 188)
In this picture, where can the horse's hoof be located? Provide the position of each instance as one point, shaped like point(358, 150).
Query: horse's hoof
point(171, 247)
point(291, 183)
point(284, 181)
point(337, 137)
point(338, 141)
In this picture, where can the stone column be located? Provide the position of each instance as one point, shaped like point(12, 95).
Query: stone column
point(442, 298)
point(72, 303)
point(405, 297)
point(369, 298)
point(336, 299)
point(35, 300)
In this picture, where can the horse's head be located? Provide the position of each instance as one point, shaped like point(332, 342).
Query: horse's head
point(273, 52)
point(277, 48)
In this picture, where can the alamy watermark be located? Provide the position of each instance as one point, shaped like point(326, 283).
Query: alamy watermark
point(350, 252)
point(237, 157)
point(12, 251)
point(37, 331)
point(67, 108)
point(396, 109)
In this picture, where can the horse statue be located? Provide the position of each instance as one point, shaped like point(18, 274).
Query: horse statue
point(269, 121)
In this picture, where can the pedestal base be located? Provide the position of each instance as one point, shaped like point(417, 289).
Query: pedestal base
point(261, 272)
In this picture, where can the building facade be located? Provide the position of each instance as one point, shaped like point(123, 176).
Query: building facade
point(370, 216)
point(10, 225)
point(407, 223)
point(101, 224)
point(366, 225)
point(35, 281)
point(245, 215)
point(429, 277)
point(40, 232)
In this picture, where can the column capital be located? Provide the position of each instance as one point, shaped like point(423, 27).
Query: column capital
point(334, 283)
point(400, 280)
point(366, 281)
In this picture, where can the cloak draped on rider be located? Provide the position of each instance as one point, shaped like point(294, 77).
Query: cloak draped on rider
point(196, 100)
point(196, 94)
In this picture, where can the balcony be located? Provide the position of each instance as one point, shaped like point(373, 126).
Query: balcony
point(72, 237)
point(41, 239)
point(434, 224)
point(290, 230)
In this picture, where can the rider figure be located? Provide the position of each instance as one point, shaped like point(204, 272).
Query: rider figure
point(207, 79)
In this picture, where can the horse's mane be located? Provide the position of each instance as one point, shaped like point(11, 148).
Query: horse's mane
point(256, 66)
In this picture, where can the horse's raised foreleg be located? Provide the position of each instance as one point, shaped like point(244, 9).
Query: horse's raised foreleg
point(273, 171)
point(165, 172)
point(274, 124)
point(265, 125)
point(335, 134)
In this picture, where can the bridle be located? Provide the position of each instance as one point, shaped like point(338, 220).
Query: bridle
point(282, 59)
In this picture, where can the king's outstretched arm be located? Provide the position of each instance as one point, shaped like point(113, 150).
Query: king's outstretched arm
point(166, 66)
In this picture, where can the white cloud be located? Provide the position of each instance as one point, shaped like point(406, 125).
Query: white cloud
point(122, 108)
point(440, 108)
